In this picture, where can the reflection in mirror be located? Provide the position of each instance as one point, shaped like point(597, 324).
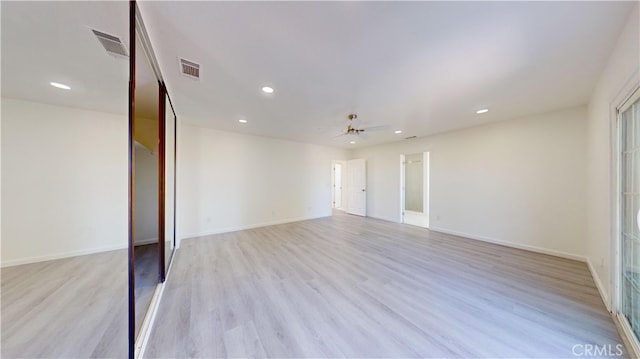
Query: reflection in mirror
point(170, 198)
point(64, 180)
point(146, 180)
point(414, 182)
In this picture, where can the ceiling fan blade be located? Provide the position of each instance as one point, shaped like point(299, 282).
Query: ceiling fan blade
point(376, 128)
point(340, 135)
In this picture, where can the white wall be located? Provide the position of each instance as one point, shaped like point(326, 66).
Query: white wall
point(620, 75)
point(146, 196)
point(519, 181)
point(64, 182)
point(229, 181)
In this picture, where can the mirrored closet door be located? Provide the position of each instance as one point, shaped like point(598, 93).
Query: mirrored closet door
point(64, 179)
point(71, 245)
point(152, 156)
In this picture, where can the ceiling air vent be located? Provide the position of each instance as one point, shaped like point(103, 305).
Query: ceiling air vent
point(189, 69)
point(410, 137)
point(111, 43)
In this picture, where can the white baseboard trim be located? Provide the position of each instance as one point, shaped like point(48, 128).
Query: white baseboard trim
point(50, 257)
point(388, 219)
point(628, 337)
point(249, 226)
point(603, 294)
point(142, 242)
point(527, 247)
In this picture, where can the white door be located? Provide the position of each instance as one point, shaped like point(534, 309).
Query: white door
point(337, 186)
point(415, 189)
point(357, 187)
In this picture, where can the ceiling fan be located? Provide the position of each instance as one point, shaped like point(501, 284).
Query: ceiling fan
point(355, 131)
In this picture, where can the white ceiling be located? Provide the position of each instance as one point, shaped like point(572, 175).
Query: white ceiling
point(422, 67)
point(52, 41)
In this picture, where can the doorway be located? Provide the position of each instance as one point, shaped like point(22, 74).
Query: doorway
point(337, 185)
point(414, 181)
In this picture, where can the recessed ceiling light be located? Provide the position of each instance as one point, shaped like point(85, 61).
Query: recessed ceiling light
point(267, 89)
point(242, 121)
point(352, 142)
point(60, 86)
point(397, 131)
point(484, 110)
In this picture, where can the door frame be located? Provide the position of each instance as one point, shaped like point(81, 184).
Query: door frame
point(417, 218)
point(624, 99)
point(131, 197)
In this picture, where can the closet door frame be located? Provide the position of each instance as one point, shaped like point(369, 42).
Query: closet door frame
point(131, 200)
point(161, 179)
point(136, 28)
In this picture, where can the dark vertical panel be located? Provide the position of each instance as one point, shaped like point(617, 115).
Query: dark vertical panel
point(174, 122)
point(175, 171)
point(161, 176)
point(132, 85)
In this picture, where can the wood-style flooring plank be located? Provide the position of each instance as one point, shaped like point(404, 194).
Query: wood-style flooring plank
point(66, 308)
point(347, 286)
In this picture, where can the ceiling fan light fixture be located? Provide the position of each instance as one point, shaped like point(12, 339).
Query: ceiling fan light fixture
point(60, 86)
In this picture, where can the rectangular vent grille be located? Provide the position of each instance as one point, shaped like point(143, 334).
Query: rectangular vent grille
point(410, 137)
point(111, 43)
point(190, 69)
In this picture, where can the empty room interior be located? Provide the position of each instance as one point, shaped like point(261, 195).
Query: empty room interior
point(320, 179)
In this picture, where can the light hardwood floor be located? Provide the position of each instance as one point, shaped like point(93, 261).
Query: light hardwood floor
point(66, 308)
point(146, 279)
point(74, 307)
point(346, 286)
